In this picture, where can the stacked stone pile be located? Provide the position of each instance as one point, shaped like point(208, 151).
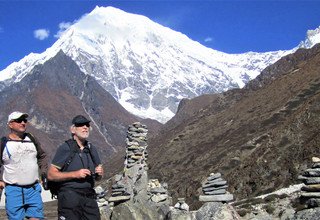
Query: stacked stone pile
point(136, 144)
point(101, 194)
point(127, 185)
point(157, 193)
point(311, 178)
point(119, 191)
point(214, 189)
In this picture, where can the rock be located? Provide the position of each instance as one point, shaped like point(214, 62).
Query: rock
point(312, 172)
point(139, 211)
point(102, 203)
point(158, 190)
point(307, 214)
point(136, 157)
point(301, 177)
point(207, 189)
point(99, 191)
point(177, 205)
point(216, 198)
point(312, 203)
point(119, 190)
point(119, 198)
point(315, 160)
point(184, 206)
point(310, 194)
point(177, 214)
point(135, 147)
point(117, 186)
point(117, 178)
point(316, 165)
point(154, 183)
point(216, 192)
point(159, 198)
point(216, 211)
point(312, 180)
point(311, 188)
point(213, 176)
point(220, 183)
point(215, 180)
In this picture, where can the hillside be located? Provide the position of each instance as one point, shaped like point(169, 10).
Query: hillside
point(259, 137)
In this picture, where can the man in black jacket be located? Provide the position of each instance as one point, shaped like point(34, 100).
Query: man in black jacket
point(76, 196)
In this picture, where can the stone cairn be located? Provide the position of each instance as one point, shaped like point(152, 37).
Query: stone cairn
point(214, 189)
point(134, 178)
point(101, 194)
point(310, 194)
point(136, 152)
point(157, 192)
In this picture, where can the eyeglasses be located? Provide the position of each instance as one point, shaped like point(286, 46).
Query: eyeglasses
point(20, 120)
point(82, 124)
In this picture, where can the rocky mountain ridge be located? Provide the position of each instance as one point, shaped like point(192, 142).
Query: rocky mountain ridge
point(146, 67)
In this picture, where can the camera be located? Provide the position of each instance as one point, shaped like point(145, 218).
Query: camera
point(44, 180)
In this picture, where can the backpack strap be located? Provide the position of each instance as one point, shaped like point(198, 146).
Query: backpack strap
point(3, 145)
point(34, 141)
point(73, 152)
point(41, 155)
point(92, 156)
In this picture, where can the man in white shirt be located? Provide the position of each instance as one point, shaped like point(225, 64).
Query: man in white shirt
point(21, 158)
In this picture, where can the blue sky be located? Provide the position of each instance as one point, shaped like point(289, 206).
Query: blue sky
point(231, 26)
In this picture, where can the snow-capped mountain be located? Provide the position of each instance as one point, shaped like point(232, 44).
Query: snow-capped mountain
point(146, 67)
point(313, 37)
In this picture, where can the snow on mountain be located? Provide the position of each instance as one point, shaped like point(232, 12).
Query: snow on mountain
point(313, 37)
point(146, 67)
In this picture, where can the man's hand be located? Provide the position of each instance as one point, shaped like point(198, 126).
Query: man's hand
point(2, 185)
point(99, 170)
point(54, 174)
point(80, 174)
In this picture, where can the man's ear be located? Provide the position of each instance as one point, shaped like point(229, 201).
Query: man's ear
point(9, 125)
point(72, 129)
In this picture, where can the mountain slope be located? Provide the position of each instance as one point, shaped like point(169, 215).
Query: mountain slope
point(57, 91)
point(146, 67)
point(259, 137)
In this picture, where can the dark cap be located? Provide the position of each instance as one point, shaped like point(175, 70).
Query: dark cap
point(80, 119)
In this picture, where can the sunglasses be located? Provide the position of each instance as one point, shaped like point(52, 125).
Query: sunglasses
point(82, 124)
point(20, 120)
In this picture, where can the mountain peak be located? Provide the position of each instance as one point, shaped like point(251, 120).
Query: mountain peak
point(312, 38)
point(146, 67)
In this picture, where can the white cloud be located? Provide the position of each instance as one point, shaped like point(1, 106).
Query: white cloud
point(208, 39)
point(41, 34)
point(63, 26)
